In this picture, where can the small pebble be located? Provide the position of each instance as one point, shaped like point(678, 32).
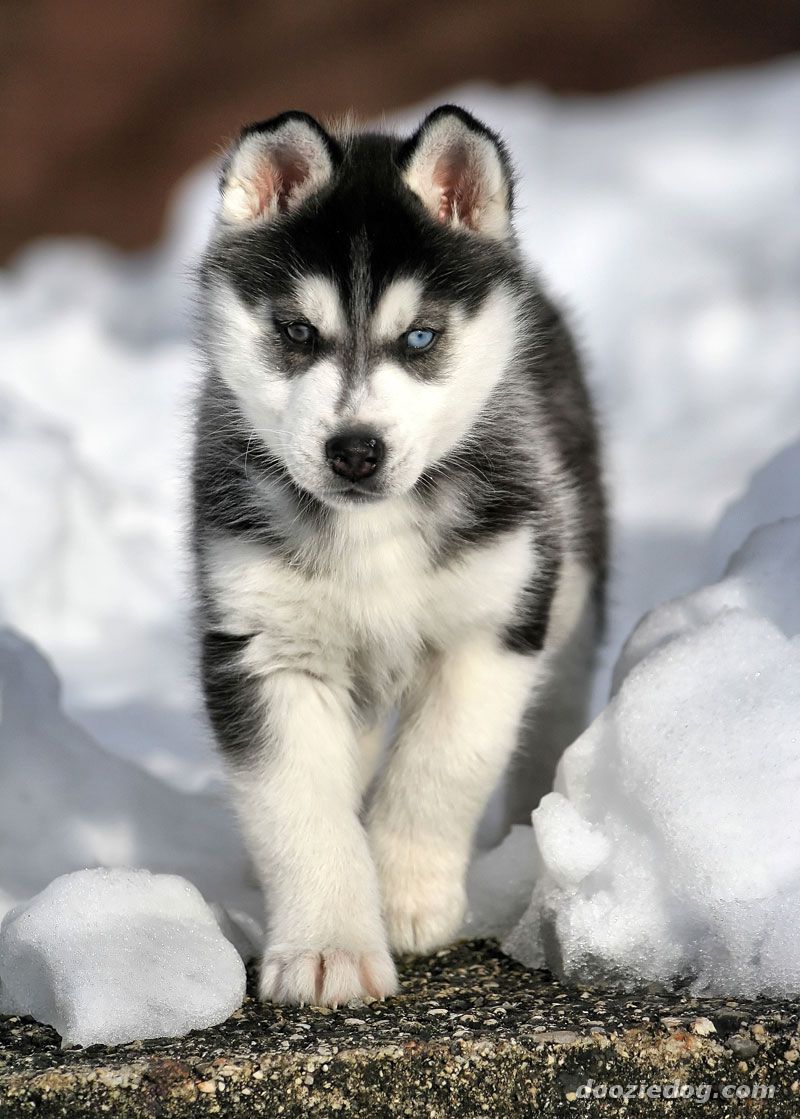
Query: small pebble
point(743, 1047)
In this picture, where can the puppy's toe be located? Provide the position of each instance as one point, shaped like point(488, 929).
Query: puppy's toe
point(419, 923)
point(423, 892)
point(331, 977)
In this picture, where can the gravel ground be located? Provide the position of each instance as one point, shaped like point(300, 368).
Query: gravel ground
point(472, 1034)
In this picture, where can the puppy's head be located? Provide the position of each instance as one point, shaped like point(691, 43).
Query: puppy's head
point(359, 295)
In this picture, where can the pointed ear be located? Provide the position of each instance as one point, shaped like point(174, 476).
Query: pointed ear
point(461, 172)
point(274, 166)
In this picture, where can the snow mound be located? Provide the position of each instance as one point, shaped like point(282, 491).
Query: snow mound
point(670, 848)
point(112, 956)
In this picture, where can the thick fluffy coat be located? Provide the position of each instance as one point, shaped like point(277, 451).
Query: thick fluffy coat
point(398, 519)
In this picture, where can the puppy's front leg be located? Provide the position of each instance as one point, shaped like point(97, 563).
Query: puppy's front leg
point(458, 729)
point(294, 765)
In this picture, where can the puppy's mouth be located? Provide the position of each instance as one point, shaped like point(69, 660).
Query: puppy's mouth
point(354, 495)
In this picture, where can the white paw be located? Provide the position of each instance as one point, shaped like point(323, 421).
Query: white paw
point(424, 898)
point(424, 919)
point(331, 977)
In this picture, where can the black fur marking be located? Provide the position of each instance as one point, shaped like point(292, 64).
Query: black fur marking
point(231, 694)
point(496, 495)
point(528, 633)
point(272, 124)
point(555, 372)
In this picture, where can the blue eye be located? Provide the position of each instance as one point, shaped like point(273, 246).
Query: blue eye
point(301, 333)
point(420, 339)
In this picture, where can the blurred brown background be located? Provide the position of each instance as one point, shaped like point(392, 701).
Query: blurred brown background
point(105, 103)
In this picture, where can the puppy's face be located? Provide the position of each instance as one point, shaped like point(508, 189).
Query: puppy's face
point(351, 298)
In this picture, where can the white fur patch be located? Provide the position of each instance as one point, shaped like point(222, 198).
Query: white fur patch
point(234, 337)
point(397, 309)
point(318, 301)
point(374, 595)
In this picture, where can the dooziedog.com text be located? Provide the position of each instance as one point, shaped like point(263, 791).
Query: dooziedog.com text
point(675, 1090)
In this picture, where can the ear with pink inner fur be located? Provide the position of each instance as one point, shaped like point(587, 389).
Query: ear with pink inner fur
point(460, 171)
point(274, 166)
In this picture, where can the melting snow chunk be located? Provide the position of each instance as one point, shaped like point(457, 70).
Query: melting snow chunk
point(112, 956)
point(570, 847)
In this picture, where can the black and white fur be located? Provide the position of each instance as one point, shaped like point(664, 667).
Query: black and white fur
point(453, 591)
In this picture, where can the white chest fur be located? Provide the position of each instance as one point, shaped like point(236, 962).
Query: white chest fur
point(372, 600)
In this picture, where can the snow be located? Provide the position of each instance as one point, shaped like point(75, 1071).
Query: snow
point(111, 956)
point(66, 803)
point(670, 846)
point(668, 221)
point(762, 577)
point(772, 494)
point(499, 885)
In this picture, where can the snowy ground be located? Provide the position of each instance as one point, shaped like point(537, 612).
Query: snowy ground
point(668, 220)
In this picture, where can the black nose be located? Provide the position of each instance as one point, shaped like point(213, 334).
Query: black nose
point(354, 455)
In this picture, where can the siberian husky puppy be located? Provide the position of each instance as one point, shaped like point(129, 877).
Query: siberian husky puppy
point(398, 520)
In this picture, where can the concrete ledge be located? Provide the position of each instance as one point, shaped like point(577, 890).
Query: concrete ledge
point(472, 1034)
